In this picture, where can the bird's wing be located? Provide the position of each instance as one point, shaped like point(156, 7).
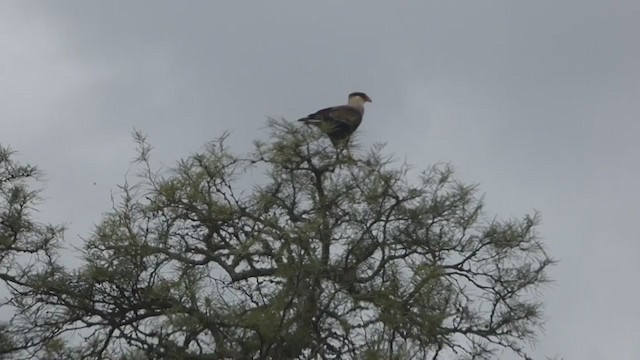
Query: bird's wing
point(343, 115)
point(338, 122)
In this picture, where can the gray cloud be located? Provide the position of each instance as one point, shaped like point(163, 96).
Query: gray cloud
point(536, 101)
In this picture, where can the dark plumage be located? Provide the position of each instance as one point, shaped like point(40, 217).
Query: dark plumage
point(339, 122)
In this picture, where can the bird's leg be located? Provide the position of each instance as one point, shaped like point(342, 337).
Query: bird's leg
point(344, 146)
point(341, 157)
point(349, 156)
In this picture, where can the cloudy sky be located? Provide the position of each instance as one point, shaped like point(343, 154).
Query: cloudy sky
point(537, 101)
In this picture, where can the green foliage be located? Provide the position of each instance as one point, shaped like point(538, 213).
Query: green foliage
point(294, 251)
point(27, 248)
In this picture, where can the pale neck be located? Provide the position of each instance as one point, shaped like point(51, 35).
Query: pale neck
point(356, 102)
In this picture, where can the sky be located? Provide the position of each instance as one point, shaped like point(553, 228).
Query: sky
point(538, 102)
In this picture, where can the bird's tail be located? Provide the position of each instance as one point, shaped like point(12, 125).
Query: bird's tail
point(310, 120)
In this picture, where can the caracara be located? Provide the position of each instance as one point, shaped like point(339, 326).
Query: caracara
point(339, 122)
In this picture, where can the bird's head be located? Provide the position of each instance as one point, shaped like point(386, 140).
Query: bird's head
point(358, 98)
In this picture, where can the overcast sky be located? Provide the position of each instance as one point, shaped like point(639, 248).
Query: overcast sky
point(537, 101)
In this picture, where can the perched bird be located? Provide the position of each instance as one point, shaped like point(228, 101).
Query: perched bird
point(339, 122)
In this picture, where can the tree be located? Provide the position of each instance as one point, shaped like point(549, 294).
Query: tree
point(326, 256)
point(27, 248)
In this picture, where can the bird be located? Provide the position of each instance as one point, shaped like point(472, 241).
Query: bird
point(339, 122)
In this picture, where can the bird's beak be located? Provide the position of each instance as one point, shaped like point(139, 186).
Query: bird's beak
point(368, 99)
